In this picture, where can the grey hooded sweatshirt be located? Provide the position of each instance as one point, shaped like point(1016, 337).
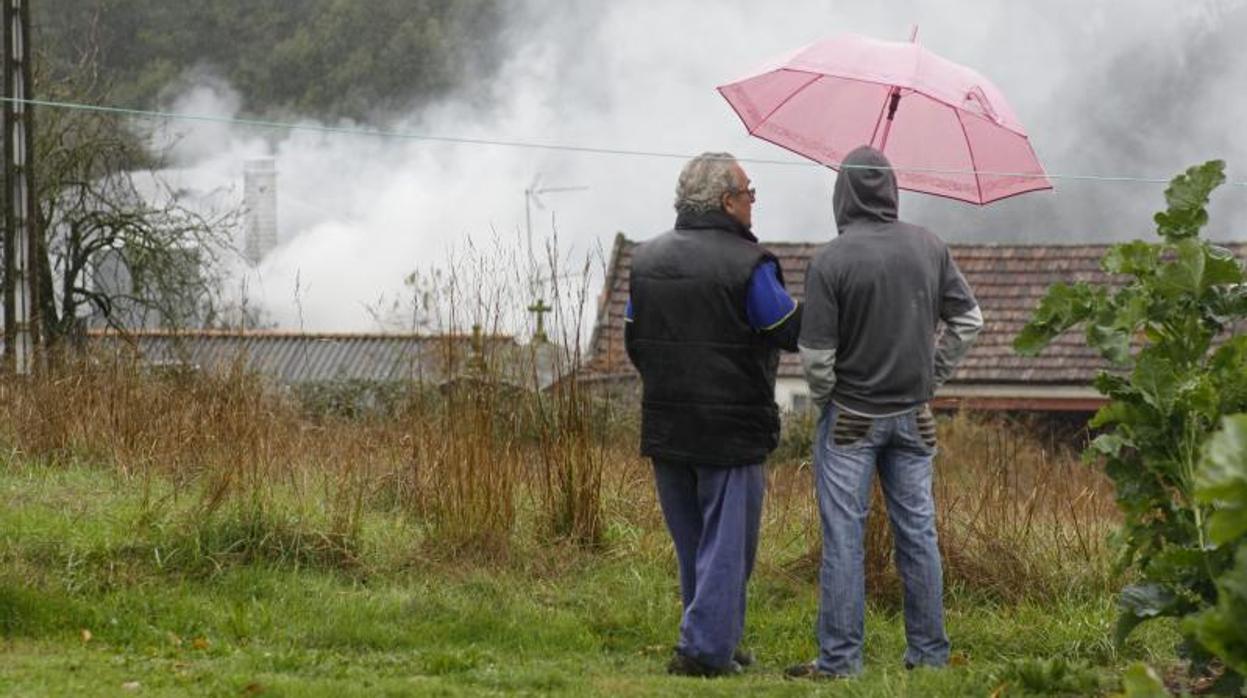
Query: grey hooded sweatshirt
point(873, 298)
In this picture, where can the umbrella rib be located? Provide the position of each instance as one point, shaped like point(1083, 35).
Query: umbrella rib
point(791, 95)
point(974, 167)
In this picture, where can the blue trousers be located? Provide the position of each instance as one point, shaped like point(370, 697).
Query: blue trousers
point(713, 515)
point(848, 450)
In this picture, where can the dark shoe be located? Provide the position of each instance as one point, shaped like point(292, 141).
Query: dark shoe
point(810, 671)
point(682, 665)
point(743, 657)
point(910, 666)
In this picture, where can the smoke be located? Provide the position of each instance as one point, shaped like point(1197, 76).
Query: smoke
point(1113, 88)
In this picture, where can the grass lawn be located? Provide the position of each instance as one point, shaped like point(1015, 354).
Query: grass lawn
point(101, 596)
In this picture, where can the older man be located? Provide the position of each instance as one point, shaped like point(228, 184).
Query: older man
point(874, 296)
point(707, 316)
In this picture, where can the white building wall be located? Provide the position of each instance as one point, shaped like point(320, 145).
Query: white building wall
point(791, 393)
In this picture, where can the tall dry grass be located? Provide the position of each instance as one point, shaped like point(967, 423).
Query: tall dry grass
point(485, 465)
point(466, 464)
point(1021, 513)
point(1018, 514)
point(239, 461)
point(464, 460)
point(572, 459)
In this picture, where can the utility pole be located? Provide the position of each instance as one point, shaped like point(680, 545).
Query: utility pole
point(21, 334)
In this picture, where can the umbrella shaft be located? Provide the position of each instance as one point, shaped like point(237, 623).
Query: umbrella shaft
point(895, 101)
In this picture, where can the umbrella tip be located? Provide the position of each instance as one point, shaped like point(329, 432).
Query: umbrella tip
point(913, 33)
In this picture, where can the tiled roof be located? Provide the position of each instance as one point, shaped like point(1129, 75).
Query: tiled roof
point(297, 357)
point(1008, 280)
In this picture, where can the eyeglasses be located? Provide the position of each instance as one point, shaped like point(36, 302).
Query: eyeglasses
point(751, 191)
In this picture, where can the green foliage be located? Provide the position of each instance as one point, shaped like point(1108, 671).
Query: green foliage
point(329, 58)
point(1222, 482)
point(1054, 676)
point(1062, 308)
point(1141, 602)
point(1187, 198)
point(1141, 681)
point(358, 398)
point(1176, 373)
point(1223, 628)
point(553, 620)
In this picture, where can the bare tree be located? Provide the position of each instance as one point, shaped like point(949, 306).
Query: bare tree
point(118, 243)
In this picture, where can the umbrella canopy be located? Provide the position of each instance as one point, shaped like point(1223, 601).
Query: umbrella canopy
point(947, 130)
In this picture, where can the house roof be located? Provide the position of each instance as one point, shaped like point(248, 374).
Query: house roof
point(1008, 281)
point(300, 357)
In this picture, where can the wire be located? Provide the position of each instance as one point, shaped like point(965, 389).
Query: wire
point(533, 145)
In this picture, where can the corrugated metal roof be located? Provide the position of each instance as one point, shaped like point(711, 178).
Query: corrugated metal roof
point(290, 357)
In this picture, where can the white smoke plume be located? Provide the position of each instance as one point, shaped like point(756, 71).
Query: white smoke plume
point(1114, 88)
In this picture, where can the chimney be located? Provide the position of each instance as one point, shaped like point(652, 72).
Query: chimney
point(260, 204)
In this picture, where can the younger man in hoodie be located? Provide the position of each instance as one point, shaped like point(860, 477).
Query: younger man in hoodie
point(873, 298)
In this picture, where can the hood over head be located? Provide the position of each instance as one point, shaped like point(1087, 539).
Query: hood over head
point(862, 192)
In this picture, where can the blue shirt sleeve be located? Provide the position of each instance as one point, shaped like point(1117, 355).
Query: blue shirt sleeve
point(628, 311)
point(768, 303)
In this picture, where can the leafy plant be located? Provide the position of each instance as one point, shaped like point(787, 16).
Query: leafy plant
point(1051, 677)
point(1167, 329)
point(1141, 681)
point(1221, 483)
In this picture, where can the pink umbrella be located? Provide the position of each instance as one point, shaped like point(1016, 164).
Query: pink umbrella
point(946, 129)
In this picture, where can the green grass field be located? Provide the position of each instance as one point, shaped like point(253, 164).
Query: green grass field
point(108, 586)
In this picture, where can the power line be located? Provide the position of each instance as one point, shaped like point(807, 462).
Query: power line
point(559, 147)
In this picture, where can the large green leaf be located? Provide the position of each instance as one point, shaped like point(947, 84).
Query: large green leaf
point(1200, 396)
point(1142, 602)
point(1223, 628)
point(1221, 481)
point(1185, 273)
point(1228, 371)
point(1063, 307)
point(1109, 444)
point(1137, 258)
point(1156, 378)
point(1112, 413)
point(1112, 342)
point(1179, 565)
point(1221, 267)
point(1229, 301)
point(1141, 495)
point(1187, 197)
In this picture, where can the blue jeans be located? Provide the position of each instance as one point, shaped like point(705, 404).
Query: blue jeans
point(846, 456)
point(713, 515)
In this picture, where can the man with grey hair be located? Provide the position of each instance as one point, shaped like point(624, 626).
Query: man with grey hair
point(706, 318)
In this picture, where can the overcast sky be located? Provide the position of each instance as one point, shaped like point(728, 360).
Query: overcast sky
point(1105, 88)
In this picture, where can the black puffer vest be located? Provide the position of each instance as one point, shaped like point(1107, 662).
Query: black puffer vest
point(708, 378)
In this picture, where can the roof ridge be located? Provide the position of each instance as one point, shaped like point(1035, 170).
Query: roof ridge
point(196, 333)
point(622, 240)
